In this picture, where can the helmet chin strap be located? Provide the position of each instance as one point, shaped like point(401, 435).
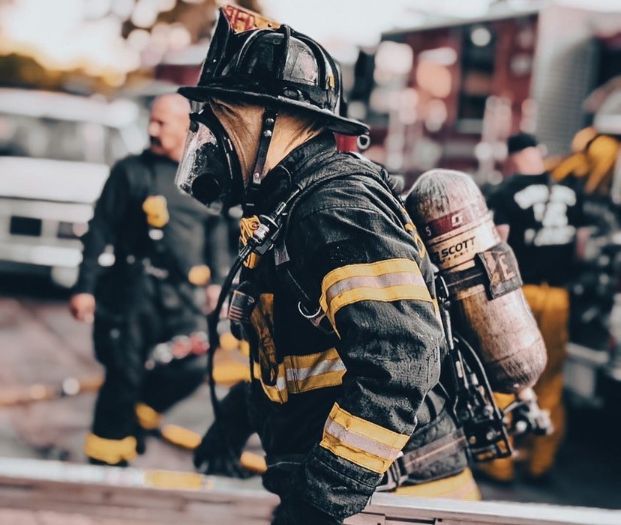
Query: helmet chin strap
point(267, 131)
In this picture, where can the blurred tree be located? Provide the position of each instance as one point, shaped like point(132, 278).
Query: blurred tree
point(197, 17)
point(24, 71)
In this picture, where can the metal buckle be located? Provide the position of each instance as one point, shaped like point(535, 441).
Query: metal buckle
point(394, 477)
point(314, 318)
point(317, 319)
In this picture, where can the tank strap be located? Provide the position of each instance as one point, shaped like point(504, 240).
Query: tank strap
point(414, 462)
point(308, 308)
point(496, 269)
point(462, 279)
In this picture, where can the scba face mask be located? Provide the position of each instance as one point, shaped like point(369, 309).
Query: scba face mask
point(209, 169)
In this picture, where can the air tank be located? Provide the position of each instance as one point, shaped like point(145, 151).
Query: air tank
point(459, 233)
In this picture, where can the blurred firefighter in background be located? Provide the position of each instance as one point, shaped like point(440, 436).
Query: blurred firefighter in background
point(341, 316)
point(543, 220)
point(591, 163)
point(153, 293)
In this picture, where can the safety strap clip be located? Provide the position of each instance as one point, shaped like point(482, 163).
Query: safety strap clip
point(395, 476)
point(318, 318)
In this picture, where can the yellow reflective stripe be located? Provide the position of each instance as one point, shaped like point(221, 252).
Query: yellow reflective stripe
point(315, 382)
point(367, 270)
point(360, 441)
point(389, 280)
point(310, 360)
point(110, 451)
point(148, 418)
point(276, 393)
point(386, 280)
point(394, 293)
point(369, 429)
point(301, 373)
point(313, 371)
point(354, 455)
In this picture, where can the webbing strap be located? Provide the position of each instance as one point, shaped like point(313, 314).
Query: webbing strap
point(415, 461)
point(306, 306)
point(467, 278)
point(309, 308)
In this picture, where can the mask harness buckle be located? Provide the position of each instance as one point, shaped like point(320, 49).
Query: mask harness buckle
point(254, 185)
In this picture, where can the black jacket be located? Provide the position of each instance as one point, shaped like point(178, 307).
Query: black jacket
point(139, 196)
point(335, 409)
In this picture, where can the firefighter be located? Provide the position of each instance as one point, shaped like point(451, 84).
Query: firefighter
point(151, 294)
point(592, 162)
point(543, 220)
point(344, 334)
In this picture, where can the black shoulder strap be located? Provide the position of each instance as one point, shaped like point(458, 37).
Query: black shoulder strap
point(306, 306)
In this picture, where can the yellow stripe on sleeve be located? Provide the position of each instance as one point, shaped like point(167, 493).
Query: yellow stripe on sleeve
point(360, 441)
point(387, 281)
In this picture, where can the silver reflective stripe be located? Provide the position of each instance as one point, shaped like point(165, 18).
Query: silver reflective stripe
point(322, 367)
point(380, 281)
point(281, 384)
point(348, 438)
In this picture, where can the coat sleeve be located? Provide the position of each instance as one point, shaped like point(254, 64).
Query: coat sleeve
point(103, 227)
point(371, 280)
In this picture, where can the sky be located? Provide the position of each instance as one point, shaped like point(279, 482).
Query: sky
point(339, 23)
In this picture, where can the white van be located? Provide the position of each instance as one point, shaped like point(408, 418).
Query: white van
point(55, 153)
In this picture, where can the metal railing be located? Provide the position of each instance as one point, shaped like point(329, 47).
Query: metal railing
point(112, 495)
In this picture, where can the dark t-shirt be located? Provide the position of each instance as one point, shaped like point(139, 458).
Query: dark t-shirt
point(543, 219)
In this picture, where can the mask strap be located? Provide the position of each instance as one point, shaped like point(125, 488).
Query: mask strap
point(267, 130)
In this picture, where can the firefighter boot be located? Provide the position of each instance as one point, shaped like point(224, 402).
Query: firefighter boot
point(111, 452)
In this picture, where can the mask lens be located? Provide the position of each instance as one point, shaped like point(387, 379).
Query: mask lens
point(202, 172)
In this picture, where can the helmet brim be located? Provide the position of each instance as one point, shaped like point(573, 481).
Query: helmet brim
point(333, 122)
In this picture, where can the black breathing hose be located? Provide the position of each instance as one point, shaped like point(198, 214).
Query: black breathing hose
point(262, 239)
point(212, 325)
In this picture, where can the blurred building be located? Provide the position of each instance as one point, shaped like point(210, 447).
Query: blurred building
point(450, 93)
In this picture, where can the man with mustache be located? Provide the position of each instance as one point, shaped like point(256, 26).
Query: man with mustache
point(150, 295)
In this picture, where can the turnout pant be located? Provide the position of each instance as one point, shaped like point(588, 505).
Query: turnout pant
point(131, 395)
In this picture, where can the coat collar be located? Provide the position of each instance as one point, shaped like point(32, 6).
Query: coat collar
point(293, 169)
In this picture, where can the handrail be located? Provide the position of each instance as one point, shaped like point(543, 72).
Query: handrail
point(160, 496)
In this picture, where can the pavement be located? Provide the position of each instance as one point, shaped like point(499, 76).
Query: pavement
point(42, 344)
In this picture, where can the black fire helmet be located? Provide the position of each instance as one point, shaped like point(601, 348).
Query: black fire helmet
point(273, 66)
